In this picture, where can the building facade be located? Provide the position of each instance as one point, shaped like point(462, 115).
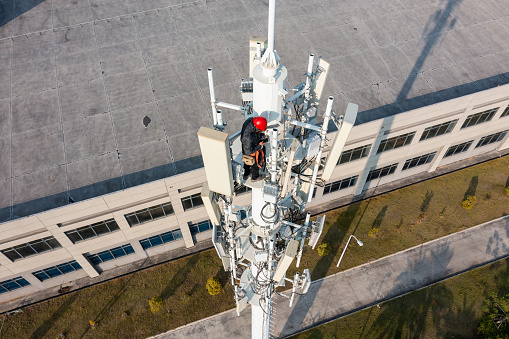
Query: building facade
point(86, 238)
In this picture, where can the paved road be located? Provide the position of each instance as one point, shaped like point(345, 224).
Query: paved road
point(355, 289)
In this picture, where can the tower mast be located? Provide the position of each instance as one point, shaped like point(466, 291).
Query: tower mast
point(258, 243)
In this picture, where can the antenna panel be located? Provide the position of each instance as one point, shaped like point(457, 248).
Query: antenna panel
point(216, 155)
point(211, 206)
point(307, 281)
point(252, 53)
point(316, 231)
point(322, 70)
point(340, 140)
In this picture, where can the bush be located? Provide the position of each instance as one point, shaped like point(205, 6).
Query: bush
point(155, 304)
point(494, 324)
point(214, 286)
point(324, 249)
point(469, 202)
point(507, 190)
point(373, 233)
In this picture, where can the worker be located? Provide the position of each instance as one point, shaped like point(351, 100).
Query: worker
point(253, 141)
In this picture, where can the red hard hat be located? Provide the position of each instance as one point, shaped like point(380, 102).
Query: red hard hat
point(260, 123)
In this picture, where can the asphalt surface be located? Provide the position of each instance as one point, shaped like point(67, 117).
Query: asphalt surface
point(97, 96)
point(358, 288)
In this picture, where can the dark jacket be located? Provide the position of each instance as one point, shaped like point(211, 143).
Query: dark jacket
point(250, 137)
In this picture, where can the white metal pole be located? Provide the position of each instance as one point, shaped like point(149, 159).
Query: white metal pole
point(344, 250)
point(212, 95)
point(308, 80)
point(272, 25)
point(322, 146)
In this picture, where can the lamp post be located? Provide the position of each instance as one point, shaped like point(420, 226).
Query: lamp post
point(358, 242)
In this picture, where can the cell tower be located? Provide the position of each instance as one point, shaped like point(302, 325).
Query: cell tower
point(258, 243)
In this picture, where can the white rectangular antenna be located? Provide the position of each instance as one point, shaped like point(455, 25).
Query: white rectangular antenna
point(286, 260)
point(322, 70)
point(211, 206)
point(340, 141)
point(216, 155)
point(253, 58)
point(316, 231)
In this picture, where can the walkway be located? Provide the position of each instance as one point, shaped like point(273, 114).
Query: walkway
point(355, 289)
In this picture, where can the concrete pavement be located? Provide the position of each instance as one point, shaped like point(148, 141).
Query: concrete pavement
point(358, 288)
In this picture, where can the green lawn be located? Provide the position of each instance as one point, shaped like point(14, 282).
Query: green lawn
point(404, 218)
point(450, 309)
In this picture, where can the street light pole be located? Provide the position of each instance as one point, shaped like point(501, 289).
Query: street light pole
point(358, 242)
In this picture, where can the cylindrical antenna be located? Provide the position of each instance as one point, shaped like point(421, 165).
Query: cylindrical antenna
point(258, 50)
point(310, 64)
point(212, 95)
point(308, 80)
point(272, 25)
point(219, 118)
point(273, 155)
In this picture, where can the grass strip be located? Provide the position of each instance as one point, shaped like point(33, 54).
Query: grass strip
point(449, 309)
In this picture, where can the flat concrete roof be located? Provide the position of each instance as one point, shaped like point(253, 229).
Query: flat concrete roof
point(101, 95)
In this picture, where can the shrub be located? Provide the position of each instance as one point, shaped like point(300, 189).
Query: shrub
point(324, 249)
point(469, 202)
point(214, 286)
point(155, 304)
point(373, 233)
point(494, 323)
point(507, 190)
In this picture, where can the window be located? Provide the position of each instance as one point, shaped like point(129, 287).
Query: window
point(31, 248)
point(92, 231)
point(340, 184)
point(489, 139)
point(161, 239)
point(199, 227)
point(149, 214)
point(418, 161)
point(55, 271)
point(396, 142)
point(354, 154)
point(506, 112)
point(192, 201)
point(111, 254)
point(13, 284)
point(479, 118)
point(435, 131)
point(458, 149)
point(381, 172)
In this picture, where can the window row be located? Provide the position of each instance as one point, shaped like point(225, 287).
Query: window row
point(92, 231)
point(111, 254)
point(340, 184)
point(149, 214)
point(31, 248)
point(486, 140)
point(381, 172)
point(428, 133)
point(418, 161)
point(58, 270)
point(13, 284)
point(479, 118)
point(161, 239)
point(199, 227)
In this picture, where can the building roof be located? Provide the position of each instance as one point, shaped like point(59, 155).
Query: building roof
point(101, 95)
